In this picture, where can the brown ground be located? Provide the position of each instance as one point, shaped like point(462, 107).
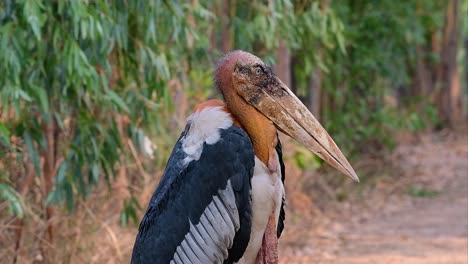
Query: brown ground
point(430, 227)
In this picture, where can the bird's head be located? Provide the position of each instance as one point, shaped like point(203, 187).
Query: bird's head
point(246, 79)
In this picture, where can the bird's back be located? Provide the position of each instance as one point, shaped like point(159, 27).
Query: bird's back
point(200, 211)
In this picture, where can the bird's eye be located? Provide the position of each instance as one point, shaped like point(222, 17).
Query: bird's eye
point(258, 70)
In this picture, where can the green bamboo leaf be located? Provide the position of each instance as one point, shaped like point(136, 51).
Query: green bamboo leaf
point(69, 200)
point(95, 172)
point(104, 81)
point(59, 121)
point(4, 132)
point(43, 100)
point(78, 179)
point(117, 100)
point(23, 95)
point(32, 14)
point(55, 197)
point(61, 174)
point(33, 154)
point(123, 218)
point(13, 199)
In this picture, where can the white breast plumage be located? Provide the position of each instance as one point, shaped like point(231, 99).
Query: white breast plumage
point(267, 194)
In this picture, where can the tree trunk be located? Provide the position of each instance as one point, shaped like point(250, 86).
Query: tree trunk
point(422, 78)
point(214, 29)
point(283, 66)
point(191, 23)
point(315, 81)
point(450, 94)
point(435, 66)
point(49, 173)
point(464, 105)
point(294, 61)
point(315, 86)
point(23, 189)
point(226, 31)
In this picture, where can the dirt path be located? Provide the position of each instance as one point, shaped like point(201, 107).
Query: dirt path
point(429, 226)
point(430, 231)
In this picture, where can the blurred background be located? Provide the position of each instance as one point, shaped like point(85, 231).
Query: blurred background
point(94, 94)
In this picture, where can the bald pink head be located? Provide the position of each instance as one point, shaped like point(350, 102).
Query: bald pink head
point(231, 62)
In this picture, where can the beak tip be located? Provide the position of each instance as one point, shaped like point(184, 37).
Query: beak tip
point(352, 174)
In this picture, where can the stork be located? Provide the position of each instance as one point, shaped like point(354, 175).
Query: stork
point(221, 197)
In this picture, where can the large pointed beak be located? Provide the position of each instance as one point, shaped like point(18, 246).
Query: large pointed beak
point(278, 103)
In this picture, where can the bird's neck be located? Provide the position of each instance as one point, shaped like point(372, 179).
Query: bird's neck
point(260, 129)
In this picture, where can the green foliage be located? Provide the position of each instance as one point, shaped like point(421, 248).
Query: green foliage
point(416, 191)
point(78, 66)
point(365, 50)
point(305, 159)
point(129, 211)
point(381, 39)
point(9, 195)
point(82, 78)
point(4, 133)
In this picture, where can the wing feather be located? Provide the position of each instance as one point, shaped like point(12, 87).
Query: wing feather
point(201, 211)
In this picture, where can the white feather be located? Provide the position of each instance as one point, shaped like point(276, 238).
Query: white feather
point(204, 128)
point(209, 240)
point(267, 192)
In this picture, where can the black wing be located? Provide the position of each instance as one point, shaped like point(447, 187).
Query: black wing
point(200, 212)
point(282, 215)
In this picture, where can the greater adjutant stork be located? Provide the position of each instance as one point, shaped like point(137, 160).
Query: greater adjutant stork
point(221, 198)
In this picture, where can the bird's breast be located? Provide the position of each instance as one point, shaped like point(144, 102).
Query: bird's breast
point(267, 194)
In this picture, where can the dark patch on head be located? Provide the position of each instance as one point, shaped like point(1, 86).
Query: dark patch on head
point(268, 81)
point(243, 69)
point(225, 66)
